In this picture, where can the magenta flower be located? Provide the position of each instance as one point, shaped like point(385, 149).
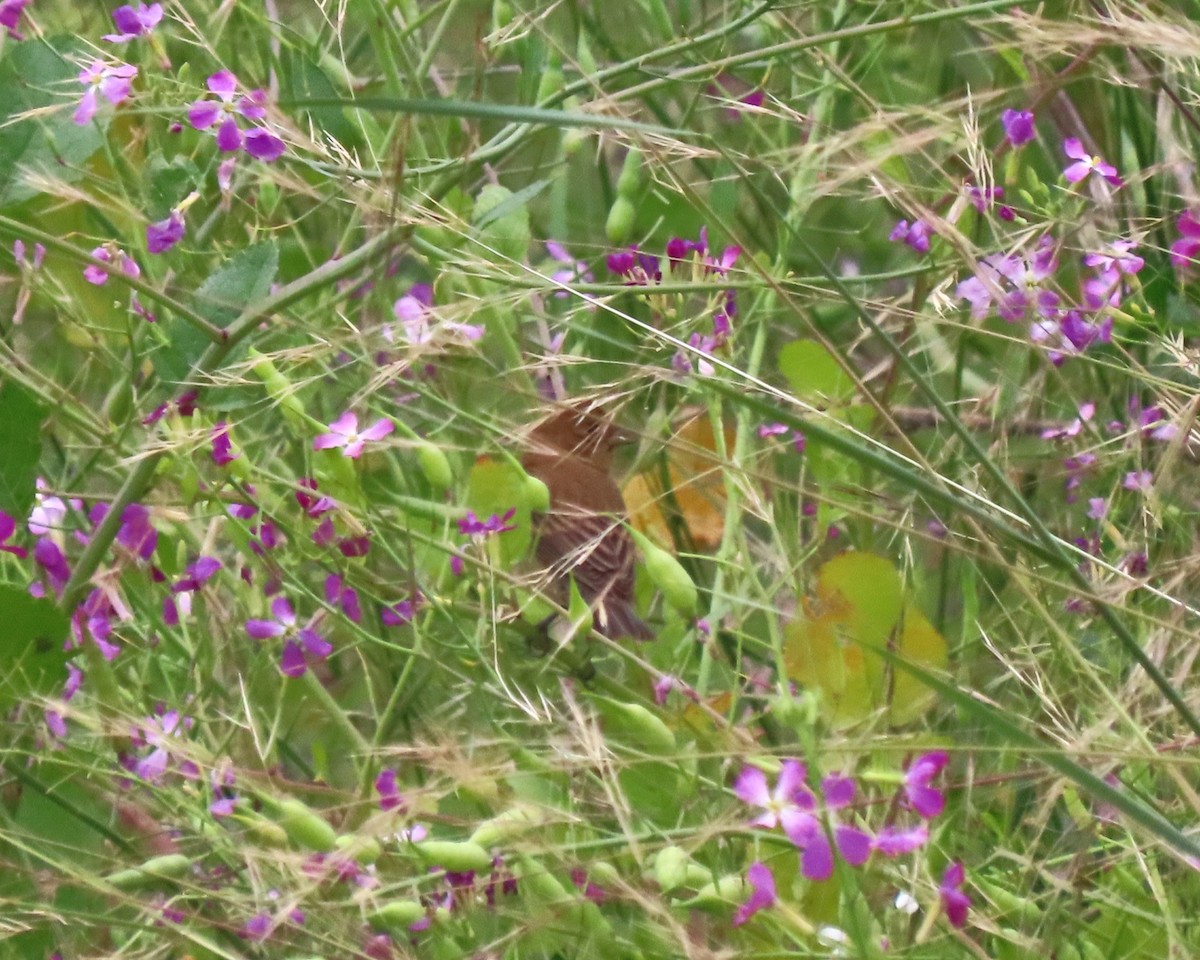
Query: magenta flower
point(109, 80)
point(954, 901)
point(132, 23)
point(8, 526)
point(791, 805)
point(298, 642)
point(389, 793)
point(10, 16)
point(762, 892)
point(1085, 163)
point(338, 594)
point(1185, 251)
point(223, 112)
point(163, 235)
point(343, 432)
point(110, 254)
point(894, 841)
point(1018, 126)
point(222, 446)
point(926, 800)
point(915, 236)
point(197, 575)
point(472, 526)
point(401, 612)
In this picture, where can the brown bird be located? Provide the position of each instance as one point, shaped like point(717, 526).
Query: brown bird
point(581, 535)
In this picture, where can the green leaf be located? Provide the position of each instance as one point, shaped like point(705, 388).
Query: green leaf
point(244, 279)
point(169, 182)
point(33, 77)
point(21, 419)
point(32, 659)
point(813, 373)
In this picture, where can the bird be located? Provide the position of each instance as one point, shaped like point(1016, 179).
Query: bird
point(582, 534)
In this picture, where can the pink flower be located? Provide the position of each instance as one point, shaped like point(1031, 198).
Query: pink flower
point(224, 110)
point(954, 901)
point(926, 800)
point(10, 16)
point(1186, 250)
point(110, 80)
point(792, 806)
point(762, 892)
point(343, 432)
point(297, 641)
point(894, 841)
point(110, 254)
point(1085, 163)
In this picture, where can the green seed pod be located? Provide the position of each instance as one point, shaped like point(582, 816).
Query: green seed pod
point(279, 388)
point(535, 494)
point(619, 225)
point(452, 855)
point(396, 916)
point(538, 885)
point(435, 465)
point(668, 575)
point(670, 868)
point(508, 825)
point(1008, 904)
point(155, 871)
point(551, 81)
point(603, 873)
point(263, 831)
point(362, 850)
point(633, 724)
point(724, 892)
point(629, 183)
point(305, 827)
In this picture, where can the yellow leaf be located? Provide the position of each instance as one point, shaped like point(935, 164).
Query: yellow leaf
point(858, 607)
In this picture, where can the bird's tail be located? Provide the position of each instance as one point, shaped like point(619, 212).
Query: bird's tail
point(620, 621)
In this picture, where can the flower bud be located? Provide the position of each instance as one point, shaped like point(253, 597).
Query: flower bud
point(396, 916)
point(305, 827)
point(621, 217)
point(362, 850)
point(435, 466)
point(668, 575)
point(459, 857)
point(670, 868)
point(155, 871)
point(279, 388)
point(633, 724)
point(508, 825)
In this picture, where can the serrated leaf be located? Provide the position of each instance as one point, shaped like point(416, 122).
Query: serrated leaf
point(49, 143)
point(21, 419)
point(244, 279)
point(32, 659)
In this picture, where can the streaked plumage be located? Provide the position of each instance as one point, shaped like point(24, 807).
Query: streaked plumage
point(581, 535)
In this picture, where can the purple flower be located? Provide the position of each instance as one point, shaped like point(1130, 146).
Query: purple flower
point(336, 592)
point(389, 792)
point(10, 16)
point(1012, 284)
point(792, 806)
point(196, 575)
point(222, 446)
point(637, 268)
point(954, 901)
point(1140, 480)
point(134, 23)
point(1018, 126)
point(343, 432)
point(223, 112)
point(915, 236)
point(110, 254)
point(8, 527)
point(762, 892)
point(472, 526)
point(894, 841)
point(163, 235)
point(110, 80)
point(926, 800)
point(136, 533)
point(1085, 163)
point(1186, 250)
point(414, 312)
point(297, 641)
point(401, 612)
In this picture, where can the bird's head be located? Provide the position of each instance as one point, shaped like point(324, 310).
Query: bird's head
point(582, 430)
